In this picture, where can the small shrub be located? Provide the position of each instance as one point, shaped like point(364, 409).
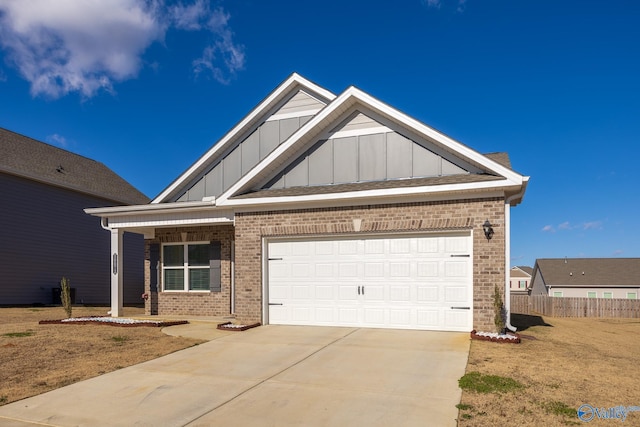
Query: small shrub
point(481, 383)
point(463, 406)
point(3, 399)
point(500, 315)
point(65, 296)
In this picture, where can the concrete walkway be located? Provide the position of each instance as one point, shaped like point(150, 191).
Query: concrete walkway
point(270, 376)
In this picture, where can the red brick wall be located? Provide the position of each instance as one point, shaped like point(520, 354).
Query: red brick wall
point(488, 261)
point(192, 303)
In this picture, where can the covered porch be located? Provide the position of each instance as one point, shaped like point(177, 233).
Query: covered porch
point(171, 225)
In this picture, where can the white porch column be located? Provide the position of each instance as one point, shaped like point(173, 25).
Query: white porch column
point(116, 272)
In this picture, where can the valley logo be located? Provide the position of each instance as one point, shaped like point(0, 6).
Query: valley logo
point(587, 412)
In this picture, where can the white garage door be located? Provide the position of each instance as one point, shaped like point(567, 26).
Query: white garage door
point(408, 282)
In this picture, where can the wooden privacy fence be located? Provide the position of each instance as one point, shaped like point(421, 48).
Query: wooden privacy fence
point(575, 307)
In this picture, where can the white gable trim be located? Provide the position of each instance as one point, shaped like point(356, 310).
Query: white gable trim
point(286, 87)
point(342, 104)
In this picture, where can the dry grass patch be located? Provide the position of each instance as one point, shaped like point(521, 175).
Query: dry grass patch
point(561, 363)
point(38, 358)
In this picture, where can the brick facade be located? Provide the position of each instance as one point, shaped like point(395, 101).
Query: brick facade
point(488, 261)
point(191, 303)
point(252, 227)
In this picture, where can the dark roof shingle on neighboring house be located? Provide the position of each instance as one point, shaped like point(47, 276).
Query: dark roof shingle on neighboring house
point(590, 272)
point(28, 158)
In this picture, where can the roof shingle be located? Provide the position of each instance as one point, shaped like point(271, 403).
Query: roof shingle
point(28, 158)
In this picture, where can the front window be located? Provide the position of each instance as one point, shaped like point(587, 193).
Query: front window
point(607, 295)
point(632, 295)
point(557, 294)
point(591, 294)
point(186, 267)
point(522, 284)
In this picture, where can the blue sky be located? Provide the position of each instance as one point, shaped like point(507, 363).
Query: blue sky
point(146, 87)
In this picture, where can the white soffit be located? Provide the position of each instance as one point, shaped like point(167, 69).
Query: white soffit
point(293, 83)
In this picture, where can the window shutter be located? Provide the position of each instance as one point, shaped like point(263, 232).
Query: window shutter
point(154, 261)
point(215, 281)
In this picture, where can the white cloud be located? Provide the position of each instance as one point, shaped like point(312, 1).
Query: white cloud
point(549, 229)
point(437, 4)
point(58, 140)
point(224, 57)
point(592, 225)
point(432, 3)
point(618, 252)
point(564, 226)
point(84, 46)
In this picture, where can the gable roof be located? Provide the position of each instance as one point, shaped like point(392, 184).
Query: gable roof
point(521, 271)
point(589, 272)
point(354, 99)
point(273, 170)
point(267, 106)
point(31, 159)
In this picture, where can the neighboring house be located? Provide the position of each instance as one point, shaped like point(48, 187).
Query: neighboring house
point(317, 209)
point(520, 280)
point(587, 277)
point(46, 234)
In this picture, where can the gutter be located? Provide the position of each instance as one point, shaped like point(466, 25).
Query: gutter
point(507, 254)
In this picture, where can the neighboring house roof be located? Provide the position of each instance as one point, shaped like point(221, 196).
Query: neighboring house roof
point(521, 271)
point(589, 272)
point(31, 159)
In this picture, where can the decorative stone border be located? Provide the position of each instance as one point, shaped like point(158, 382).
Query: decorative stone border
point(510, 338)
point(113, 321)
point(228, 326)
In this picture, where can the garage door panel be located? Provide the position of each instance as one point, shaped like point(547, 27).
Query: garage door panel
point(428, 269)
point(391, 282)
point(400, 293)
point(374, 270)
point(456, 269)
point(427, 294)
point(325, 292)
point(428, 318)
point(456, 294)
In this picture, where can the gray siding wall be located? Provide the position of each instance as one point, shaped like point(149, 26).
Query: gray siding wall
point(243, 157)
point(45, 235)
point(373, 157)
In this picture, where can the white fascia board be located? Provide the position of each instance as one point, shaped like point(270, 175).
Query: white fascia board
point(294, 80)
point(114, 211)
point(373, 196)
point(343, 102)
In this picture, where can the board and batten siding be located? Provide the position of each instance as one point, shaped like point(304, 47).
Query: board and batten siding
point(45, 235)
point(370, 157)
point(251, 150)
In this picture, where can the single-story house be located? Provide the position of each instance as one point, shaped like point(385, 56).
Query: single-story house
point(521, 280)
point(47, 235)
point(324, 209)
point(587, 277)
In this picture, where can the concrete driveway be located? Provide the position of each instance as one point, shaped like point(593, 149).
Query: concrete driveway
point(271, 376)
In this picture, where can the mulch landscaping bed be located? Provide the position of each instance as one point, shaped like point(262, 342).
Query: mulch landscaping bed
point(232, 327)
point(118, 322)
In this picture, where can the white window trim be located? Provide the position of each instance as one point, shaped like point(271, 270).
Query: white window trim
point(185, 267)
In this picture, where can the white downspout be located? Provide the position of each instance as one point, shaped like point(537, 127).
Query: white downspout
point(507, 255)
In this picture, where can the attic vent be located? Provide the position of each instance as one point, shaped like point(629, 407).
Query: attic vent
point(60, 169)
